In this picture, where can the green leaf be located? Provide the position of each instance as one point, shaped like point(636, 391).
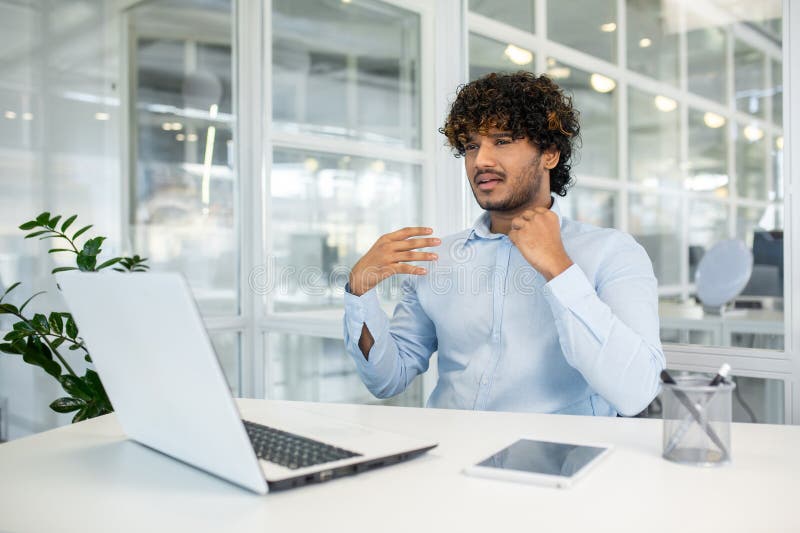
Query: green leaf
point(11, 288)
point(75, 386)
point(54, 250)
point(109, 263)
point(43, 218)
point(87, 358)
point(62, 269)
point(22, 326)
point(29, 299)
point(67, 223)
point(81, 231)
point(41, 324)
point(53, 236)
point(57, 342)
point(20, 345)
point(72, 328)
point(37, 354)
point(53, 222)
point(86, 263)
point(37, 233)
point(8, 309)
point(92, 246)
point(80, 415)
point(29, 225)
point(67, 405)
point(9, 348)
point(74, 347)
point(56, 323)
point(16, 334)
point(93, 380)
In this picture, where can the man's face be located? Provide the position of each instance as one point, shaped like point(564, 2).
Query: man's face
point(505, 174)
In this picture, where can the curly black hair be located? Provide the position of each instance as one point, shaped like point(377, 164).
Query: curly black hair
point(528, 106)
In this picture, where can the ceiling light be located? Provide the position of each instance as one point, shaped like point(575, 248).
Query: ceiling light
point(167, 126)
point(27, 116)
point(645, 42)
point(706, 182)
point(559, 73)
point(608, 27)
point(714, 121)
point(378, 166)
point(665, 104)
point(753, 133)
point(177, 126)
point(10, 115)
point(101, 116)
point(779, 143)
point(551, 62)
point(192, 137)
point(180, 137)
point(311, 165)
point(601, 83)
point(518, 55)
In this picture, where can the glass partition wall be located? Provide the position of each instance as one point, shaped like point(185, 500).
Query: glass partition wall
point(346, 165)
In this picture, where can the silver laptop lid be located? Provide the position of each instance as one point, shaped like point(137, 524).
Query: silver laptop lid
point(151, 349)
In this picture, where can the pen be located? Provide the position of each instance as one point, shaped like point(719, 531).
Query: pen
point(695, 412)
point(722, 374)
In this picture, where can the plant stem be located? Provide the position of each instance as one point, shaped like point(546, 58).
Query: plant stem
point(64, 236)
point(73, 341)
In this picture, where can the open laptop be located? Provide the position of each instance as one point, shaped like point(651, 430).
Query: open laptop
point(151, 349)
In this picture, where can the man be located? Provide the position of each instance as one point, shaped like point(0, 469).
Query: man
point(529, 311)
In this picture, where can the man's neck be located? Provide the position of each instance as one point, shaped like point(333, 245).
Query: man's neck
point(501, 220)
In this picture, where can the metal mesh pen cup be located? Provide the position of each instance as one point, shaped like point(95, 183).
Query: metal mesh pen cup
point(697, 421)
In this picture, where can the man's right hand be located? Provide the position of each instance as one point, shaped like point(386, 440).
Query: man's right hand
point(389, 256)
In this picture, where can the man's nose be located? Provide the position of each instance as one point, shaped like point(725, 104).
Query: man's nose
point(485, 158)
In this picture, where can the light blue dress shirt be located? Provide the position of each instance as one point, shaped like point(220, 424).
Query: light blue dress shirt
point(586, 342)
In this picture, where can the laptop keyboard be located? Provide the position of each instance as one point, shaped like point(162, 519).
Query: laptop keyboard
point(290, 450)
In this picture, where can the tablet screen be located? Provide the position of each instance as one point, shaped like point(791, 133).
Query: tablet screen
point(542, 457)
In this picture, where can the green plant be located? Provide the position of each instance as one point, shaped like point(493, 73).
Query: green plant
point(38, 338)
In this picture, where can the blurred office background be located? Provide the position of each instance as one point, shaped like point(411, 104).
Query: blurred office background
point(261, 147)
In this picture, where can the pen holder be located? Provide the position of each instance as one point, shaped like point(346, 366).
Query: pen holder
point(697, 421)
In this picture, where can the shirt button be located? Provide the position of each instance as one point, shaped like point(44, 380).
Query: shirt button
point(485, 382)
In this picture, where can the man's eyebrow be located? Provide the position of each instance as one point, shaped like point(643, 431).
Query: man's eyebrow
point(492, 135)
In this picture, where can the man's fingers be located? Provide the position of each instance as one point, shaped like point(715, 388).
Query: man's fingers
point(413, 244)
point(415, 256)
point(405, 268)
point(405, 233)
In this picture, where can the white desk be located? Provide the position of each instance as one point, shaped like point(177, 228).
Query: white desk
point(87, 477)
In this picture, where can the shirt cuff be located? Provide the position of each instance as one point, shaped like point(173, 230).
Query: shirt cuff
point(568, 288)
point(364, 309)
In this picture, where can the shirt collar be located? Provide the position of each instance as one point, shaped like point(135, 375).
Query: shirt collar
point(481, 227)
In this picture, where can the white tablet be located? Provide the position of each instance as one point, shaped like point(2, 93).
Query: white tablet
point(555, 464)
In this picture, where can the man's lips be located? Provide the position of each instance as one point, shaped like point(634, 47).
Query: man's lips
point(487, 182)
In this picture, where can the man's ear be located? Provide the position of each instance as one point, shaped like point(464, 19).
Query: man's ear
point(550, 157)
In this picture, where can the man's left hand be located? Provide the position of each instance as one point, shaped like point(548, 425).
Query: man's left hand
point(537, 235)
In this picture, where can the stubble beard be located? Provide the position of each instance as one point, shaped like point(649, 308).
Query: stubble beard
point(525, 189)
